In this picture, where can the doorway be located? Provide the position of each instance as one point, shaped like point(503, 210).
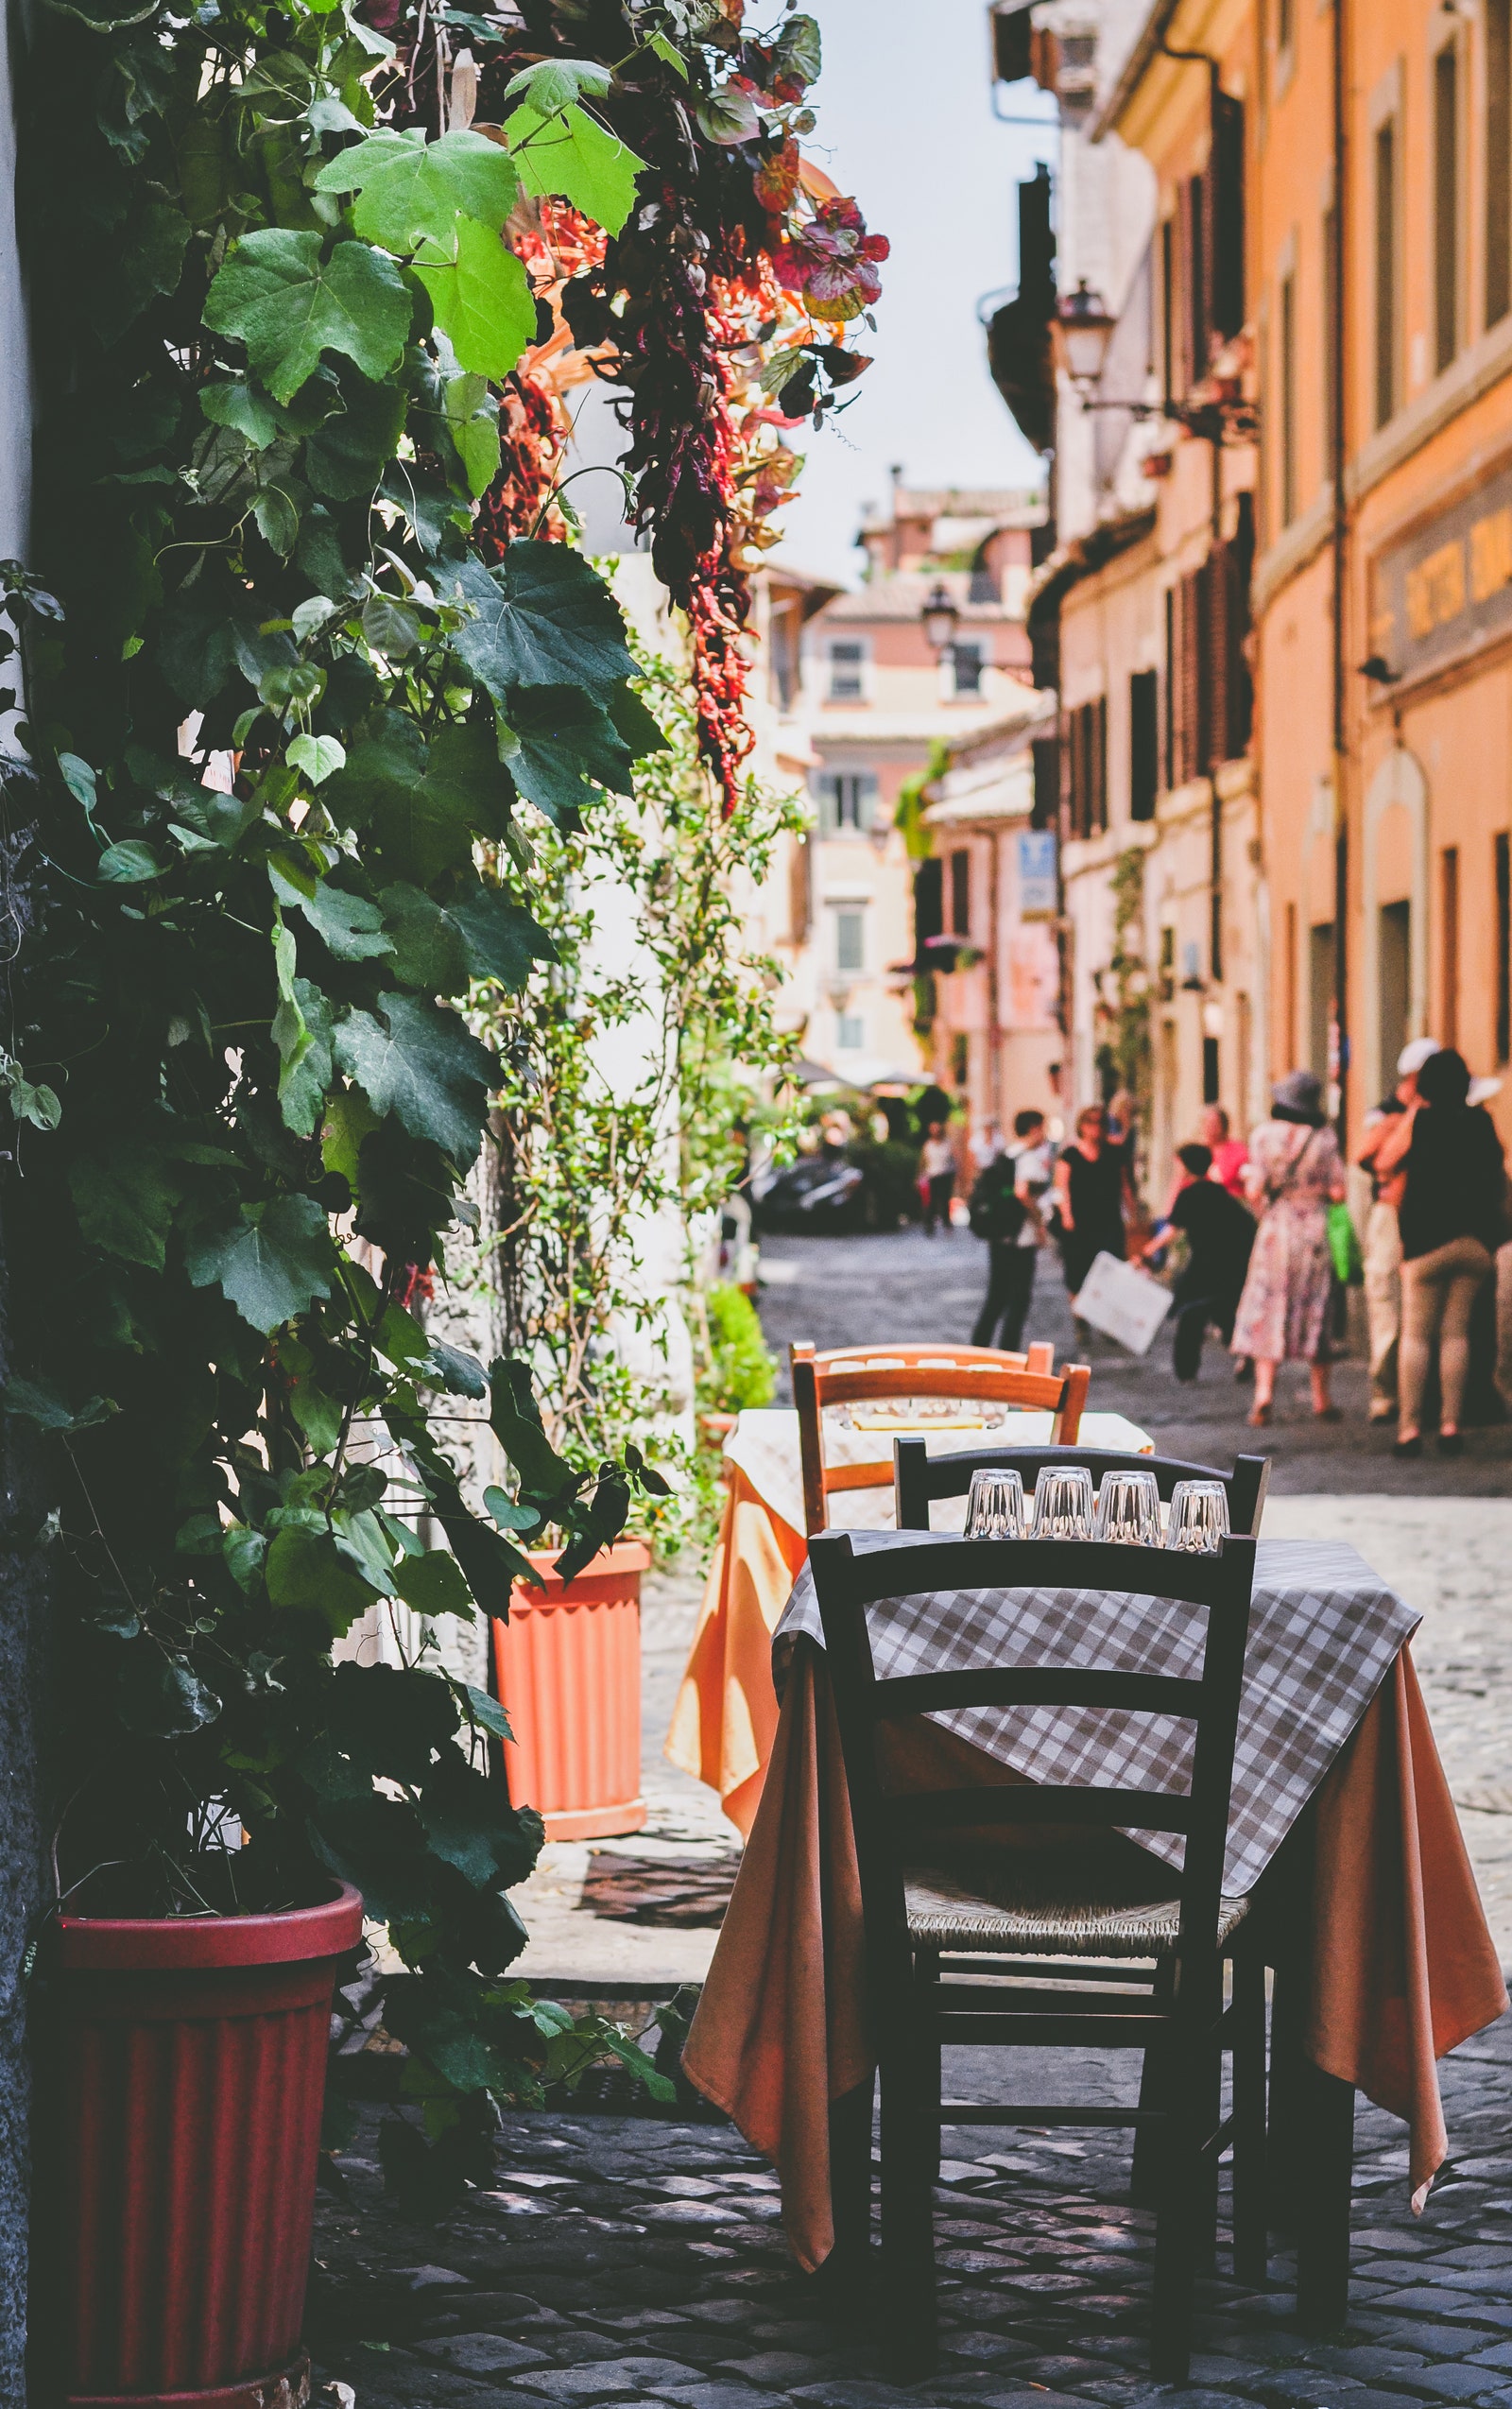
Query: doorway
point(1394, 986)
point(1320, 968)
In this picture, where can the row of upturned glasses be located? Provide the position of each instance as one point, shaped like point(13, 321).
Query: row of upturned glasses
point(1126, 1510)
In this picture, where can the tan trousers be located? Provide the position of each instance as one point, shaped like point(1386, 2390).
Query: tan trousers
point(1439, 1293)
point(1382, 1302)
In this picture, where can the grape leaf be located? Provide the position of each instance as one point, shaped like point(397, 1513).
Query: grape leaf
point(424, 807)
point(287, 304)
point(410, 189)
point(481, 296)
point(566, 151)
point(502, 939)
point(349, 924)
point(150, 261)
point(481, 936)
point(423, 1065)
point(473, 422)
point(433, 1584)
point(557, 739)
point(542, 617)
point(125, 1198)
point(347, 453)
point(268, 1263)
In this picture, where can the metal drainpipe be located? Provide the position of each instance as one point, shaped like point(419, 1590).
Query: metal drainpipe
point(1338, 443)
point(1205, 58)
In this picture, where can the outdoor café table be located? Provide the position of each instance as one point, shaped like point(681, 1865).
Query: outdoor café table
point(724, 1719)
point(1397, 1967)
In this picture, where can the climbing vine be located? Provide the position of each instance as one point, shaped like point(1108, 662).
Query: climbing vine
point(1124, 989)
point(308, 676)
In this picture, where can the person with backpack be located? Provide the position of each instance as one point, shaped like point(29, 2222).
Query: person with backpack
point(1220, 1237)
point(1005, 1211)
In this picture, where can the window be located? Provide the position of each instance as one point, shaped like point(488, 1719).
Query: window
point(1386, 363)
point(1285, 42)
point(960, 1061)
point(1045, 753)
point(800, 890)
point(847, 802)
point(1196, 271)
point(1143, 744)
point(1290, 1048)
point(850, 1032)
point(1498, 163)
point(1448, 964)
point(1286, 378)
point(1168, 309)
point(961, 892)
point(1212, 1081)
point(1393, 960)
point(1446, 207)
point(1503, 861)
point(929, 901)
point(1320, 968)
point(966, 662)
point(1087, 757)
point(783, 645)
point(851, 937)
point(847, 660)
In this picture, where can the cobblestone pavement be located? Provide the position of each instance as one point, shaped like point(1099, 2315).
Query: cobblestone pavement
point(900, 1284)
point(629, 2260)
point(638, 2259)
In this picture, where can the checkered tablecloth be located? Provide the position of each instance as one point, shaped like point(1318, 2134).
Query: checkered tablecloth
point(1323, 1630)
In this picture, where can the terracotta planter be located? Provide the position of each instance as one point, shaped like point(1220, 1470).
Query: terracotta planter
point(189, 2057)
point(567, 1666)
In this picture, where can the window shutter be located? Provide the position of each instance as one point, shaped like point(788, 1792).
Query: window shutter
point(1240, 555)
point(1225, 183)
point(929, 901)
point(1218, 646)
point(1196, 273)
point(1100, 739)
point(1143, 745)
point(1046, 755)
point(1193, 681)
point(1205, 585)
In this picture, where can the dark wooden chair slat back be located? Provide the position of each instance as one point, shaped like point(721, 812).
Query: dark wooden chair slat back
point(847, 1581)
point(853, 1375)
point(920, 1478)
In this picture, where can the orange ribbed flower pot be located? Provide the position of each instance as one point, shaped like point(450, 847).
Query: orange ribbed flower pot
point(567, 1666)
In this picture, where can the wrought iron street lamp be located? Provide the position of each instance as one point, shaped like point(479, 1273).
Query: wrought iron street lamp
point(938, 618)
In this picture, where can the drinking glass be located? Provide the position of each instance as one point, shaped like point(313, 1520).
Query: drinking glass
point(1199, 1517)
point(1063, 1502)
point(994, 1508)
point(1128, 1509)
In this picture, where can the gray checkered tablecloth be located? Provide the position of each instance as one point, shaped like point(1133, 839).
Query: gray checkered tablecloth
point(1323, 1631)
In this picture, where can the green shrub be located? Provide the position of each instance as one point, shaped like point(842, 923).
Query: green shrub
point(742, 1368)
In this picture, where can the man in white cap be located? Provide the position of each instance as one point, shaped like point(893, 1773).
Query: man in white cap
point(1382, 1239)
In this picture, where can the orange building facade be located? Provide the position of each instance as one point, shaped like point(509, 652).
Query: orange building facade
point(1384, 723)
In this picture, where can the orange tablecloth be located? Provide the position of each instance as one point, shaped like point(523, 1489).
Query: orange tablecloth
point(1404, 1965)
point(725, 1720)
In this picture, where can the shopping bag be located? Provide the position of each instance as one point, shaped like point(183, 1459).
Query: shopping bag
point(1123, 1302)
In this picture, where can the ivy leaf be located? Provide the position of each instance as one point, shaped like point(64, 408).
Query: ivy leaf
point(410, 189)
point(303, 1032)
point(564, 151)
point(487, 1713)
point(554, 84)
point(288, 304)
point(348, 1119)
point(307, 1569)
point(542, 617)
point(278, 521)
point(39, 1401)
point(515, 1418)
point(433, 1584)
point(127, 865)
point(636, 722)
point(473, 421)
point(423, 1065)
point(150, 261)
point(480, 935)
point(510, 1517)
point(481, 298)
point(163, 1696)
point(320, 757)
point(452, 1369)
point(668, 53)
point(425, 806)
point(271, 1261)
point(556, 740)
point(240, 407)
point(347, 453)
point(428, 951)
point(125, 1198)
point(729, 115)
point(349, 924)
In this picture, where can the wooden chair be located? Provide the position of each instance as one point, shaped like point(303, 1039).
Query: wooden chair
point(1051, 1953)
point(850, 1375)
point(920, 1478)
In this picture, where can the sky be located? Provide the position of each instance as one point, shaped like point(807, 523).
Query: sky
point(904, 106)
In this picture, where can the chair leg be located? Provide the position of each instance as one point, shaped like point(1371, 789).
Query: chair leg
point(926, 2025)
point(1323, 2224)
point(850, 2185)
point(1154, 2092)
point(1251, 2237)
point(1286, 2135)
point(908, 2213)
point(1175, 2235)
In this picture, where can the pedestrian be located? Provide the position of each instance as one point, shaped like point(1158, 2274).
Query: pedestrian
point(1450, 1220)
point(1294, 1174)
point(1005, 1211)
point(1094, 1184)
point(1220, 1234)
point(936, 1177)
point(1382, 1238)
point(1229, 1154)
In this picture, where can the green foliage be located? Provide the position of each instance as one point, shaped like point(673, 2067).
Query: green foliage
point(1124, 990)
point(742, 1367)
point(284, 721)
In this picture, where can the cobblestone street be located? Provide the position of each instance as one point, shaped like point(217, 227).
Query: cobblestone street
point(628, 2258)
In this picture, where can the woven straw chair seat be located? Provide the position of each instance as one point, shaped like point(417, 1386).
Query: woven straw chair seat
point(1044, 1909)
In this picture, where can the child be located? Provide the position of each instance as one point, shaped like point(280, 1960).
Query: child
point(1219, 1235)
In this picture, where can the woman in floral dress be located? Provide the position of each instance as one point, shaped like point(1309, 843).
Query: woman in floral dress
point(1295, 1173)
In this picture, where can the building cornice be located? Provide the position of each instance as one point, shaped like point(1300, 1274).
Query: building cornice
point(1294, 550)
point(1070, 562)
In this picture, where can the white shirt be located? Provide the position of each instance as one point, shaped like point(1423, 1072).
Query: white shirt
point(1031, 1171)
point(938, 1158)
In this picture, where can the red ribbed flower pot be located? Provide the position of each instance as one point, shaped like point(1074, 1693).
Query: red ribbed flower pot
point(189, 2054)
point(568, 1668)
